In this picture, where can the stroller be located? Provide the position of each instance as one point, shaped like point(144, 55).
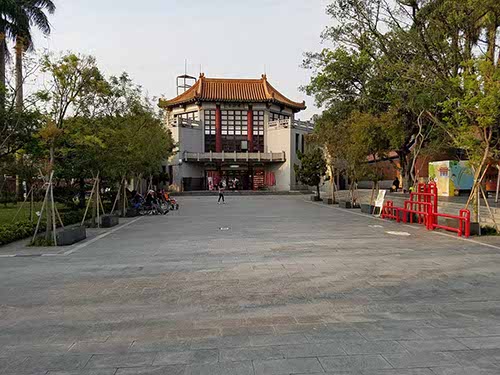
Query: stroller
point(149, 206)
point(170, 202)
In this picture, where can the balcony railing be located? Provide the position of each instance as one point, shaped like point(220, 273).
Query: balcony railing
point(284, 123)
point(268, 157)
point(185, 123)
point(287, 123)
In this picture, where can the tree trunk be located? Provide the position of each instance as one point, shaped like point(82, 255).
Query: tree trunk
point(19, 100)
point(317, 189)
point(19, 74)
point(3, 47)
point(81, 203)
point(374, 185)
point(405, 170)
point(124, 202)
point(95, 203)
point(48, 229)
point(492, 38)
point(332, 183)
point(456, 53)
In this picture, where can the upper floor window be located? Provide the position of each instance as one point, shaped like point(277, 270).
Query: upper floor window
point(188, 115)
point(234, 129)
point(258, 131)
point(273, 116)
point(210, 130)
point(210, 122)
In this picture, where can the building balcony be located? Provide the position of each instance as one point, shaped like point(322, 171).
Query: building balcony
point(185, 123)
point(289, 123)
point(261, 157)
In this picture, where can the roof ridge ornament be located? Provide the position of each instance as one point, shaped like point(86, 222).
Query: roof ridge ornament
point(200, 84)
point(269, 96)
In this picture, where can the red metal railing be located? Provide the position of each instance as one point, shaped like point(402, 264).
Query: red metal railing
point(424, 205)
point(389, 211)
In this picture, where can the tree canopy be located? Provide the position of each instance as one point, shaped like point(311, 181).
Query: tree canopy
point(408, 72)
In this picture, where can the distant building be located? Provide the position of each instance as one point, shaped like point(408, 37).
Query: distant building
point(241, 132)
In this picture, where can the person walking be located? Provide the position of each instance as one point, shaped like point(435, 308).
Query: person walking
point(221, 194)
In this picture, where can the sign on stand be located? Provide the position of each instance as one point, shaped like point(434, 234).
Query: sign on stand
point(379, 203)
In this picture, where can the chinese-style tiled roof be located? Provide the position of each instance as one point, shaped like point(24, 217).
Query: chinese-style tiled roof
point(232, 90)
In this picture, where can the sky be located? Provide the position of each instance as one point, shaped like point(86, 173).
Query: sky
point(151, 39)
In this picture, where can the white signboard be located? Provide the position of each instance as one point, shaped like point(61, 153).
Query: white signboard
point(379, 203)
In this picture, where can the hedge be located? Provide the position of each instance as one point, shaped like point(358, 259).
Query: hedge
point(24, 229)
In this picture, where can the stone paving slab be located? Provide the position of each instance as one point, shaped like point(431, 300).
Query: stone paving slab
point(355, 362)
point(413, 360)
point(187, 358)
point(444, 345)
point(292, 287)
point(491, 342)
point(249, 354)
point(287, 366)
point(121, 360)
point(227, 368)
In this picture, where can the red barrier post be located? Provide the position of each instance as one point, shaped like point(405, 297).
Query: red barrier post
point(465, 214)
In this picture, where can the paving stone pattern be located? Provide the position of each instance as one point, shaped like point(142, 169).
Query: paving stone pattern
point(292, 287)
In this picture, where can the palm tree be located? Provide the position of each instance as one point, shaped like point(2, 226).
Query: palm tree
point(7, 10)
point(28, 13)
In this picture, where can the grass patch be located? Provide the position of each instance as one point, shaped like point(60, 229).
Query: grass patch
point(9, 211)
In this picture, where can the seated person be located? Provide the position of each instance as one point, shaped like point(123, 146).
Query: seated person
point(395, 185)
point(137, 199)
point(153, 202)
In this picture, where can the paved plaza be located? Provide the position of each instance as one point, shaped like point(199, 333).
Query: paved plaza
point(261, 285)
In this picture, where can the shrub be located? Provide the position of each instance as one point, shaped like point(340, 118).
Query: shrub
point(489, 231)
point(16, 231)
point(24, 229)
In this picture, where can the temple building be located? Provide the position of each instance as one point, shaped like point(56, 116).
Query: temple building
point(241, 132)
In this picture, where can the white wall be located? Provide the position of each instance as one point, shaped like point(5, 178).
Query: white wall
point(293, 155)
point(191, 139)
point(279, 140)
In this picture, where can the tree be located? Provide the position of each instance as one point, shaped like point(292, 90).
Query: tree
point(331, 135)
point(384, 59)
point(312, 167)
point(28, 13)
point(72, 79)
point(7, 9)
point(368, 137)
point(472, 119)
point(115, 132)
point(17, 129)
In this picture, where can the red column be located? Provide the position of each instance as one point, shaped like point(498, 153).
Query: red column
point(218, 129)
point(250, 129)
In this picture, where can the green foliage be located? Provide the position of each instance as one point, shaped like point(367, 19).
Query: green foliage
point(368, 136)
point(17, 231)
point(24, 14)
point(472, 119)
point(489, 231)
point(312, 167)
point(113, 129)
point(402, 59)
point(24, 229)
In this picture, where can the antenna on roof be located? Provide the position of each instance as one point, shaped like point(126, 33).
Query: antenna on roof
point(185, 81)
